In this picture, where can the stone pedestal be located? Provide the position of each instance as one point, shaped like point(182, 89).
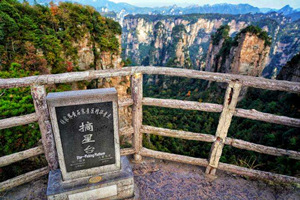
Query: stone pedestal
point(116, 185)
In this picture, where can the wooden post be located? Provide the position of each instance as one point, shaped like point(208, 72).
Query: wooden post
point(230, 101)
point(38, 93)
point(137, 115)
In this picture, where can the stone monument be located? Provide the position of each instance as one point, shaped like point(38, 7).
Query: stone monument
point(85, 126)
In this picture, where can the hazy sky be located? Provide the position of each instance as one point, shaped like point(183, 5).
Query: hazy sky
point(257, 3)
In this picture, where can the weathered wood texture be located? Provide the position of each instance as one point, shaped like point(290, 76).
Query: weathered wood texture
point(127, 151)
point(257, 174)
point(173, 157)
point(266, 117)
point(257, 82)
point(262, 149)
point(250, 81)
point(24, 178)
point(125, 102)
point(15, 157)
point(228, 141)
point(222, 166)
point(230, 101)
point(127, 131)
point(137, 114)
point(180, 104)
point(65, 77)
point(178, 134)
point(18, 121)
point(39, 100)
point(210, 107)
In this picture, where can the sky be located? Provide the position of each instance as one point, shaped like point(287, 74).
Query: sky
point(258, 3)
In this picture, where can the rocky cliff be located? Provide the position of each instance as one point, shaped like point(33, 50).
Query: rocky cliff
point(246, 54)
point(87, 60)
point(291, 71)
point(148, 39)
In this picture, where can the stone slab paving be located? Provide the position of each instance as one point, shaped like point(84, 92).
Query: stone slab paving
point(163, 180)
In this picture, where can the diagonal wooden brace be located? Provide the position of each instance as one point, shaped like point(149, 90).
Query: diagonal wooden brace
point(230, 101)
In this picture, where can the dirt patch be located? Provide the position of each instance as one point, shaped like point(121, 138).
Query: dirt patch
point(182, 181)
point(163, 180)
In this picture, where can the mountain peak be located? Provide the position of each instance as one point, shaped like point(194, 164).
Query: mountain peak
point(286, 10)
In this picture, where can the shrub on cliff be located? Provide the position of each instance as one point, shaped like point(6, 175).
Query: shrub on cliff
point(221, 33)
point(259, 32)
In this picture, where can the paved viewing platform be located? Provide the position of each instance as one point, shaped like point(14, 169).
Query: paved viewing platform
point(159, 179)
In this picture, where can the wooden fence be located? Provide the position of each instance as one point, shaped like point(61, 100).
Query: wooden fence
point(227, 110)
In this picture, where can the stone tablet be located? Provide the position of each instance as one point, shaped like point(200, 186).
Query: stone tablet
point(85, 126)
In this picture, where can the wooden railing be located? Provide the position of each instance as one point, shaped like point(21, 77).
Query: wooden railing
point(227, 110)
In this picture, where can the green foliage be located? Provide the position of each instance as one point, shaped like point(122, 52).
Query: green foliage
point(195, 121)
point(40, 40)
point(127, 62)
point(221, 33)
point(259, 32)
point(279, 103)
point(53, 31)
point(16, 102)
point(159, 25)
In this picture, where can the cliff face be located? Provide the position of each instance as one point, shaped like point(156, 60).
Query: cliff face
point(212, 52)
point(107, 60)
point(291, 71)
point(148, 39)
point(250, 56)
point(246, 54)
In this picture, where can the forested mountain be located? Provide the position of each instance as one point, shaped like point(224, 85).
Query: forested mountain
point(50, 39)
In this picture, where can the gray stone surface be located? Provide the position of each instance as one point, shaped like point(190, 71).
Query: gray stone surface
point(122, 180)
point(72, 98)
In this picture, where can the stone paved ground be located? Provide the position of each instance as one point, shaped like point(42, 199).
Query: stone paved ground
point(162, 180)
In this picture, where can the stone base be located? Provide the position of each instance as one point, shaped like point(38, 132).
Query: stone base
point(117, 185)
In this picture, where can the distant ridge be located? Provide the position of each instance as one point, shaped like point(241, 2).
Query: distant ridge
point(106, 6)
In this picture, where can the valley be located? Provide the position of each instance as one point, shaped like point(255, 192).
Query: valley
point(160, 40)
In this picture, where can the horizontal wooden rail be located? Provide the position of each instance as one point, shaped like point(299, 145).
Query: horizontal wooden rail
point(240, 144)
point(15, 157)
point(229, 141)
point(257, 173)
point(24, 178)
point(210, 107)
point(125, 102)
point(178, 134)
point(257, 82)
point(65, 77)
point(18, 121)
point(222, 166)
point(127, 131)
point(173, 157)
point(127, 151)
point(266, 117)
point(250, 81)
point(180, 104)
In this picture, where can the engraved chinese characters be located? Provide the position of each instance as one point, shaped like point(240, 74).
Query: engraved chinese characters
point(87, 135)
point(85, 127)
